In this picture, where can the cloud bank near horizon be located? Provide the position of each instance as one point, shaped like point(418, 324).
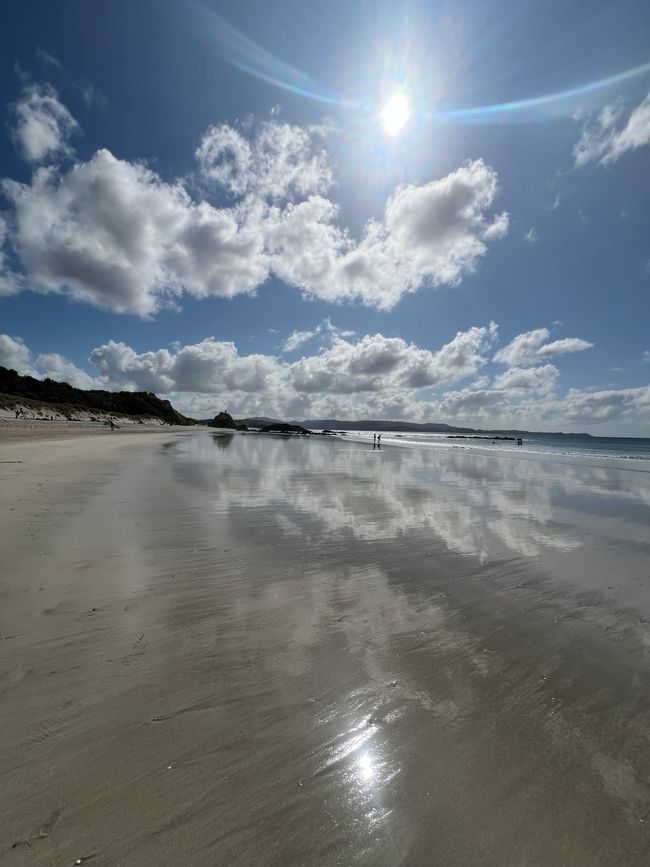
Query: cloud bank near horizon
point(347, 377)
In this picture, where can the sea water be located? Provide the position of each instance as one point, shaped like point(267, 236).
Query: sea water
point(617, 448)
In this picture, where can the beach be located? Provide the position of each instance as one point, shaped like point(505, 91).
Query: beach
point(262, 650)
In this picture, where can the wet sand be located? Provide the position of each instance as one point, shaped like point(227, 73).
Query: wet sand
point(250, 650)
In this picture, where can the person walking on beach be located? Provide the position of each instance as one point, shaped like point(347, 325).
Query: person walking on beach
point(374, 440)
point(378, 441)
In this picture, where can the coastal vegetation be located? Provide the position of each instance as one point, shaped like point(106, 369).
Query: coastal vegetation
point(66, 400)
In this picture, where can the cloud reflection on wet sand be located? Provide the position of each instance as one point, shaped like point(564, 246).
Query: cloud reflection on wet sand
point(307, 652)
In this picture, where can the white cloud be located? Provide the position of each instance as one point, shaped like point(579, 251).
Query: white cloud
point(645, 357)
point(378, 363)
point(561, 347)
point(431, 234)
point(279, 161)
point(373, 377)
point(42, 124)
point(15, 354)
point(531, 347)
point(523, 348)
point(532, 235)
point(325, 328)
point(528, 379)
point(296, 339)
point(471, 404)
point(612, 404)
point(57, 367)
point(112, 233)
point(370, 365)
point(613, 133)
point(208, 367)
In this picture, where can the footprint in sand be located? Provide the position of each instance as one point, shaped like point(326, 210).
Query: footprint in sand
point(50, 726)
point(137, 649)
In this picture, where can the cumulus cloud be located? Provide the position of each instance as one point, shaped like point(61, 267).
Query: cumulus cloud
point(613, 404)
point(114, 234)
point(471, 403)
point(42, 124)
point(531, 347)
point(528, 379)
point(208, 367)
point(15, 354)
point(279, 160)
point(58, 367)
point(378, 363)
point(372, 377)
point(432, 234)
point(613, 133)
point(372, 364)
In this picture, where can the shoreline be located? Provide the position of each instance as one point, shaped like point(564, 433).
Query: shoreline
point(228, 650)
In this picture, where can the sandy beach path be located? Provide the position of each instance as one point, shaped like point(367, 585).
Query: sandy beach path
point(256, 651)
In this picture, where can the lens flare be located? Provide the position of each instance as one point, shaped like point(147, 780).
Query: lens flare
point(545, 107)
point(247, 55)
point(395, 114)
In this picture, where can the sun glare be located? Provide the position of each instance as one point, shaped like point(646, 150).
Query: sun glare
point(395, 114)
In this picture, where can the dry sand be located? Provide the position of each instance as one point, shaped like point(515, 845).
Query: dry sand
point(248, 650)
point(22, 430)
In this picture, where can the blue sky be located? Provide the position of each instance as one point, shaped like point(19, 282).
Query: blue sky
point(203, 199)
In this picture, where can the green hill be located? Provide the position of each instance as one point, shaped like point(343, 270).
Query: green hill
point(66, 399)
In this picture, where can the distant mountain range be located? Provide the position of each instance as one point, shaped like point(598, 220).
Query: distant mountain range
point(402, 427)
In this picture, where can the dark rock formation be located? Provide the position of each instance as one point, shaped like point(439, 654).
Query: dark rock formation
point(283, 427)
point(225, 420)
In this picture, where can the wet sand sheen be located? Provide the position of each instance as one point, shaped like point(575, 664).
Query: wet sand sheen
point(255, 651)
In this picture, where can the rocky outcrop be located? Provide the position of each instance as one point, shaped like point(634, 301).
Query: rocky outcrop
point(283, 427)
point(225, 420)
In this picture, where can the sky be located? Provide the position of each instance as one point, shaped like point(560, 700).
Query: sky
point(427, 211)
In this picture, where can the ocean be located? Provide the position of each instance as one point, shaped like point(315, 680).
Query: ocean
point(610, 448)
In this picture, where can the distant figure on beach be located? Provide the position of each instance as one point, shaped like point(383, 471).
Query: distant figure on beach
point(111, 424)
point(378, 441)
point(520, 442)
point(17, 413)
point(374, 440)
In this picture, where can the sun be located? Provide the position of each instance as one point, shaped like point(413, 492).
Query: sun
point(395, 114)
